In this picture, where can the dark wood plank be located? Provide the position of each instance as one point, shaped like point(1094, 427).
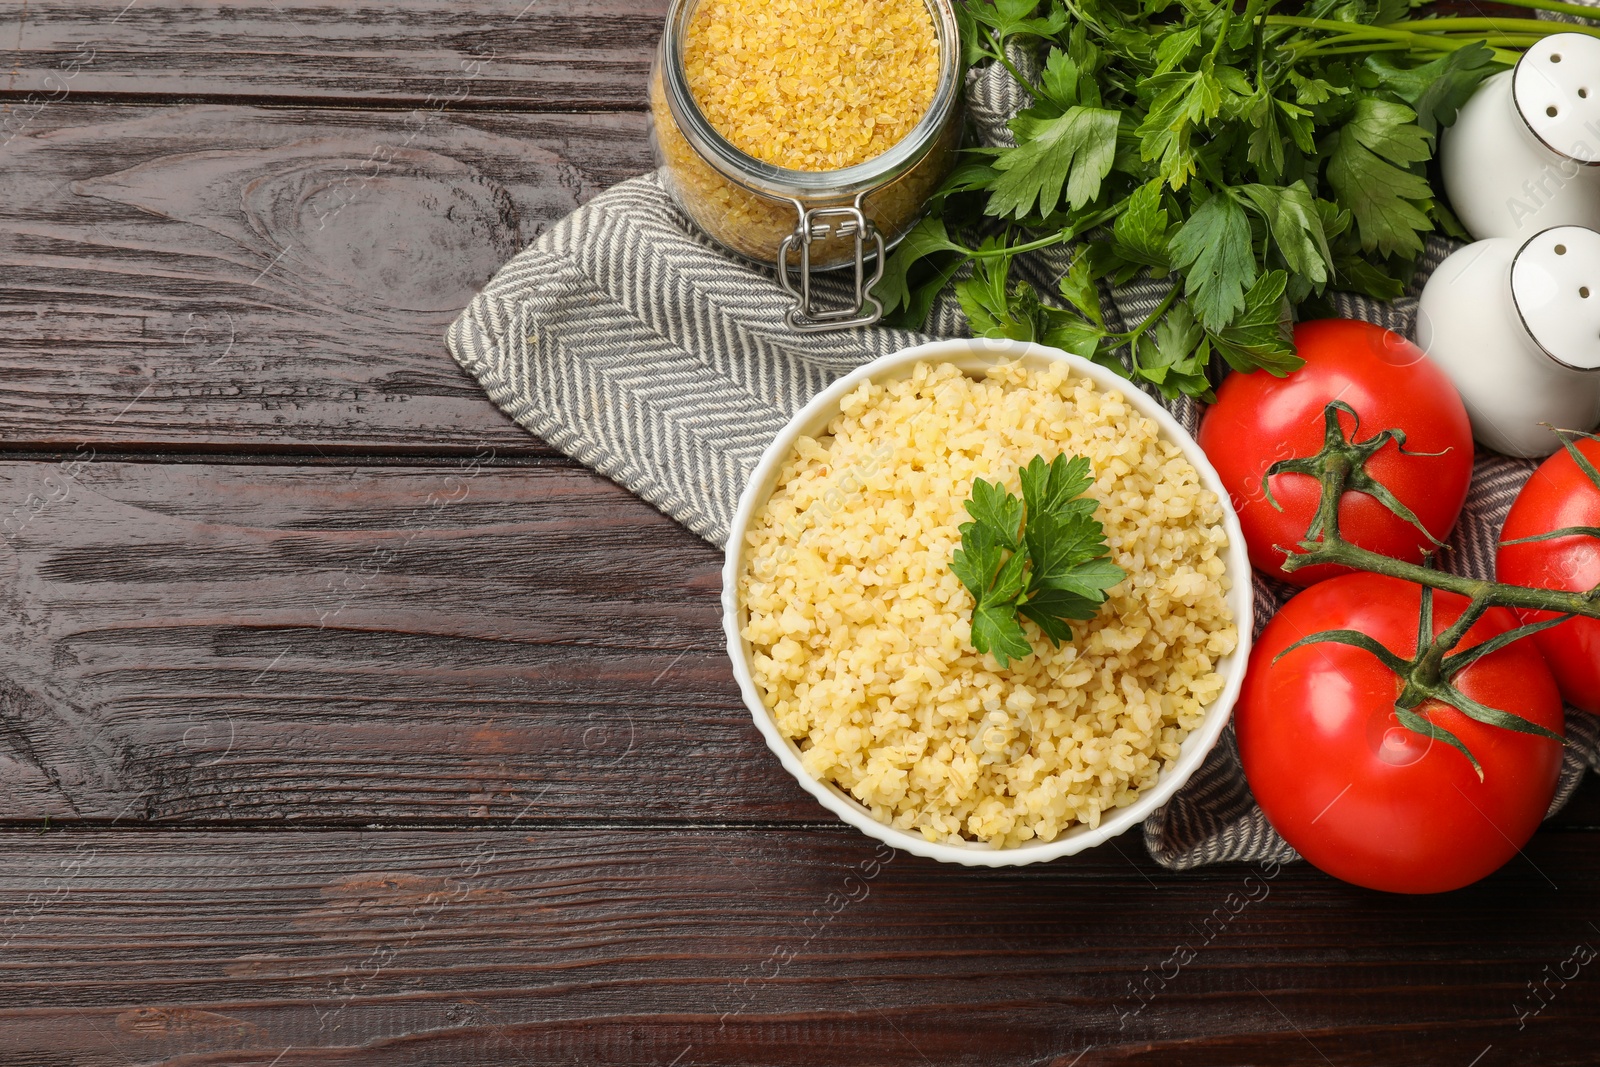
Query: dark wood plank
point(749, 947)
point(541, 55)
point(196, 642)
point(268, 279)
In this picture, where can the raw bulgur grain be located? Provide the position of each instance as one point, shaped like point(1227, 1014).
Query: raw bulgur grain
point(812, 85)
point(754, 225)
point(860, 632)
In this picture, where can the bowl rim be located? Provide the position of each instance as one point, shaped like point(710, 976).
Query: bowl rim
point(1195, 747)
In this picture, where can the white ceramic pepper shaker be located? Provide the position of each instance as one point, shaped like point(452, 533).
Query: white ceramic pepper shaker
point(1516, 326)
point(1524, 153)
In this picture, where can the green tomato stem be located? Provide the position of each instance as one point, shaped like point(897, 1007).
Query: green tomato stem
point(1336, 469)
point(1333, 549)
point(1429, 670)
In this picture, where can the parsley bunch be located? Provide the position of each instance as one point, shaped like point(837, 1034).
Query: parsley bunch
point(1041, 557)
point(1254, 159)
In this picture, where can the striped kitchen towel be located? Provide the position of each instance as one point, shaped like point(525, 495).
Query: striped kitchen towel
point(628, 340)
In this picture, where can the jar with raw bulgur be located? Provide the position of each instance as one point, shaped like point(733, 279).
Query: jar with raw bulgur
point(807, 134)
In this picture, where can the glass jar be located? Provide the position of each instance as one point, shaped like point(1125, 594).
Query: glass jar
point(800, 221)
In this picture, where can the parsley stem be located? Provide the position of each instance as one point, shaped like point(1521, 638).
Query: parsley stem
point(1150, 319)
point(1536, 28)
point(1347, 31)
point(1356, 42)
point(999, 54)
point(1502, 56)
point(1066, 234)
point(1355, 49)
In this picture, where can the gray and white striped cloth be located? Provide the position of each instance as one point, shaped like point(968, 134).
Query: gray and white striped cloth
point(625, 338)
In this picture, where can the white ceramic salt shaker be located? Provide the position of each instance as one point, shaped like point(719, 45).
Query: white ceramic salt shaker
point(1516, 326)
point(1524, 152)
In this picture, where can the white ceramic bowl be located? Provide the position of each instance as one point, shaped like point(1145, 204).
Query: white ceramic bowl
point(973, 356)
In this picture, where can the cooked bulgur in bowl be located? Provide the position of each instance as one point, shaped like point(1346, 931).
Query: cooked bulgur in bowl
point(851, 633)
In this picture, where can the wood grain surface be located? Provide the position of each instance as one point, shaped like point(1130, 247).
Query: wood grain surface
point(749, 947)
point(343, 723)
point(326, 643)
point(201, 642)
point(234, 278)
point(523, 55)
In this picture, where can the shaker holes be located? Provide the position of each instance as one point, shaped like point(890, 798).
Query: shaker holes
point(1561, 250)
point(1551, 111)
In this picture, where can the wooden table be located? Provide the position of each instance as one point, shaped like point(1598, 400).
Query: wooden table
point(342, 722)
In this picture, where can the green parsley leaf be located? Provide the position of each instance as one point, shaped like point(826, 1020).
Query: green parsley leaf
point(1296, 227)
point(1174, 48)
point(1056, 569)
point(1012, 17)
point(1051, 487)
point(1181, 101)
point(926, 238)
point(1263, 337)
point(1360, 274)
point(1060, 542)
point(994, 311)
point(996, 630)
point(1078, 591)
point(973, 45)
point(995, 581)
point(1173, 356)
point(997, 509)
point(1143, 231)
point(1069, 333)
point(1437, 89)
point(1074, 150)
point(1311, 91)
point(1078, 289)
point(1060, 79)
point(1213, 246)
point(978, 559)
point(1365, 160)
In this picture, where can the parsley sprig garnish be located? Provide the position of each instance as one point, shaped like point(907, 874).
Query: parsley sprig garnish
point(1040, 557)
point(1255, 159)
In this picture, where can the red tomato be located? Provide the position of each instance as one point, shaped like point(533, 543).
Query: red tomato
point(1259, 419)
point(1360, 796)
point(1560, 495)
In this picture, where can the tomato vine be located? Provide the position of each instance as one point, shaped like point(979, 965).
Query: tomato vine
point(1430, 673)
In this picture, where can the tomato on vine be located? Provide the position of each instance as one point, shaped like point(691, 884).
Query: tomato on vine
point(1404, 427)
point(1406, 765)
point(1551, 540)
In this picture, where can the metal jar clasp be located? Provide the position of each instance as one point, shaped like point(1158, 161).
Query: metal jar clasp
point(822, 224)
